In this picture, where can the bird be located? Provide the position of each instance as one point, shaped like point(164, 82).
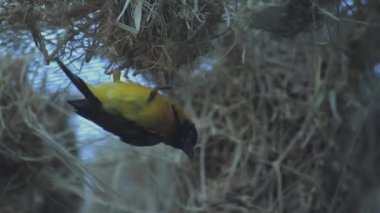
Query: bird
point(137, 114)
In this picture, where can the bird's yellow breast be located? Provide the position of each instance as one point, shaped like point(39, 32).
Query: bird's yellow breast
point(130, 100)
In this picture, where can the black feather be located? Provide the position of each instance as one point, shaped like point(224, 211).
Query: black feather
point(152, 95)
point(127, 130)
point(79, 83)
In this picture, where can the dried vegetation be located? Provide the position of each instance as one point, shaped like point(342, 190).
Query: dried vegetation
point(32, 129)
point(286, 124)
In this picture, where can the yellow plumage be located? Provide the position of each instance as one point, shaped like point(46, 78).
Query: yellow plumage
point(155, 116)
point(139, 115)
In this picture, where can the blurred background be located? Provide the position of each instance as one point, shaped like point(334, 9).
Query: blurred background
point(284, 95)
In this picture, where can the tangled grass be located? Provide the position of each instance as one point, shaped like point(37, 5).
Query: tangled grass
point(286, 125)
point(33, 127)
point(143, 35)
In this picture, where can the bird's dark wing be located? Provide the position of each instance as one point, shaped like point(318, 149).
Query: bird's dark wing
point(126, 129)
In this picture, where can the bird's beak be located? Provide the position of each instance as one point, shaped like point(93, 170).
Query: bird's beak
point(188, 149)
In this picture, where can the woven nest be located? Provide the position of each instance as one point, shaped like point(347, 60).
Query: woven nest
point(265, 125)
point(278, 121)
point(32, 174)
point(143, 35)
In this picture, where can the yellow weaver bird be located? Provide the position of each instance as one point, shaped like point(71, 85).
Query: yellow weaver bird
point(139, 115)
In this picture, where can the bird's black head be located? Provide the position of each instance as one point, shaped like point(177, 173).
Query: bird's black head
point(185, 138)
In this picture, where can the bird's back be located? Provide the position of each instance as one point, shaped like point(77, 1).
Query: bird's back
point(134, 102)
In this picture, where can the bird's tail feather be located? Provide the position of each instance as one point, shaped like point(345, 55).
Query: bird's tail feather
point(79, 83)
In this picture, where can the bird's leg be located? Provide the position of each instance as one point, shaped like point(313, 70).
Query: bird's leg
point(116, 75)
point(154, 92)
